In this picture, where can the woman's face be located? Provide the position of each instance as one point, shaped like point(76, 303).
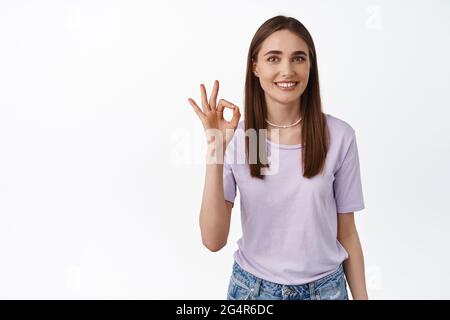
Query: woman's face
point(290, 64)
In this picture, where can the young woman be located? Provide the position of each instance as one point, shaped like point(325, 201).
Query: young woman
point(299, 239)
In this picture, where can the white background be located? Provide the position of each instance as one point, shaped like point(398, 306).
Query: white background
point(102, 157)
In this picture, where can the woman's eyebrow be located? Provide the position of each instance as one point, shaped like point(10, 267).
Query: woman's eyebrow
point(281, 52)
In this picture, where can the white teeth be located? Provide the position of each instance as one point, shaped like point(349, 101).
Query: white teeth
point(286, 84)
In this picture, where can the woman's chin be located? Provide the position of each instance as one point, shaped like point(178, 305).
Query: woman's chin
point(285, 99)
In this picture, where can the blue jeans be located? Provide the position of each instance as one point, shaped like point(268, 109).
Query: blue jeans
point(246, 286)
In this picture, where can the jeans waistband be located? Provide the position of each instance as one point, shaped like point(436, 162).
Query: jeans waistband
point(248, 278)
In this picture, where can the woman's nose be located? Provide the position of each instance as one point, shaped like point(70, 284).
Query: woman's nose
point(286, 69)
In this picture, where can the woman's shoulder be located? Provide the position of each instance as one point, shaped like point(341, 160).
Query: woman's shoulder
point(338, 126)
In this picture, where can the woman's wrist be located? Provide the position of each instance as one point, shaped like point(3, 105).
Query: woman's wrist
point(215, 154)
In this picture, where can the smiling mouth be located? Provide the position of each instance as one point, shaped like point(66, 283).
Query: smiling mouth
point(286, 85)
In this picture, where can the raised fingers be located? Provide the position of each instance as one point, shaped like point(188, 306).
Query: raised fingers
point(212, 100)
point(197, 110)
point(205, 104)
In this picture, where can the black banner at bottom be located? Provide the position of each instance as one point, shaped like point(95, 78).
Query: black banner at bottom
point(219, 309)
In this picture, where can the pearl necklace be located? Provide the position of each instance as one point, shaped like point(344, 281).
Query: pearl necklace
point(287, 126)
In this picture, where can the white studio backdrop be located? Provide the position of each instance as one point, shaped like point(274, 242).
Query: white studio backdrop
point(102, 157)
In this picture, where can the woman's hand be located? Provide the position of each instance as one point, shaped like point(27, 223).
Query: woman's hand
point(212, 116)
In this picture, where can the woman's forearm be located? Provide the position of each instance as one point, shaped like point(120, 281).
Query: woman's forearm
point(214, 220)
point(354, 267)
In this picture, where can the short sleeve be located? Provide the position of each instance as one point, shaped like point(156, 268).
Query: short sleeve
point(229, 182)
point(347, 184)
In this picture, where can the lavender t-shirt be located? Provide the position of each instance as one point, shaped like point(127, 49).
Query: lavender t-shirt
point(289, 223)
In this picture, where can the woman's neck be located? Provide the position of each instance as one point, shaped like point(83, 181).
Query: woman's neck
point(283, 114)
point(292, 135)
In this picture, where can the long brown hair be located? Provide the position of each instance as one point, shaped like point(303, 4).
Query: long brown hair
point(315, 136)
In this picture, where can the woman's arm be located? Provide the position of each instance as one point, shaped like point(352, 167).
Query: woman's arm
point(215, 214)
point(354, 265)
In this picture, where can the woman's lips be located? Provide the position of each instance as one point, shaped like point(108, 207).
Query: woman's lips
point(287, 88)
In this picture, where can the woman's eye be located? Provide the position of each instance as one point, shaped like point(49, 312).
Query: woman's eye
point(296, 58)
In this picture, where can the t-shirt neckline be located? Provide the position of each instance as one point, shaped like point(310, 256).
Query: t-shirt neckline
point(284, 146)
point(289, 146)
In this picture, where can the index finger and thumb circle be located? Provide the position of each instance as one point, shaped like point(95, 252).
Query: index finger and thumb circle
point(226, 104)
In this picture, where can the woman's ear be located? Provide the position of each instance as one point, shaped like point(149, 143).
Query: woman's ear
point(254, 70)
